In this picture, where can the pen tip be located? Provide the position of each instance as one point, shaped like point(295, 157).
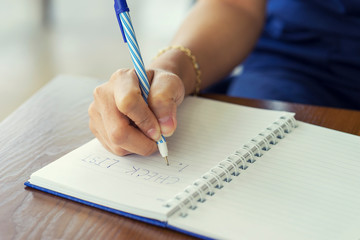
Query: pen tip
point(167, 161)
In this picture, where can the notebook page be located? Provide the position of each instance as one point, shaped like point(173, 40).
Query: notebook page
point(306, 187)
point(208, 131)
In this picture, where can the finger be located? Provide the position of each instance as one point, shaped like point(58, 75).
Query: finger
point(166, 94)
point(105, 145)
point(165, 110)
point(98, 129)
point(123, 136)
point(130, 102)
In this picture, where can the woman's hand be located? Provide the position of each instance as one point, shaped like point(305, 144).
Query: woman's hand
point(121, 119)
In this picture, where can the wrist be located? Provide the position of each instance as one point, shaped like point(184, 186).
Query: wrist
point(180, 61)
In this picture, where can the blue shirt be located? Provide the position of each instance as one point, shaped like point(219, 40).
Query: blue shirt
point(333, 17)
point(309, 52)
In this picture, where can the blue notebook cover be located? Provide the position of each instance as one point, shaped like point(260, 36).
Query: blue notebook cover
point(121, 213)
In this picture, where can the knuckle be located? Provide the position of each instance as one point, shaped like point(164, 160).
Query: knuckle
point(98, 92)
point(95, 130)
point(158, 98)
point(128, 102)
point(91, 126)
point(149, 150)
point(119, 151)
point(132, 71)
point(120, 73)
point(161, 101)
point(118, 136)
point(91, 110)
point(117, 74)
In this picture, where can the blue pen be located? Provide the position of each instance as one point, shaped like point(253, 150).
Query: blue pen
point(127, 30)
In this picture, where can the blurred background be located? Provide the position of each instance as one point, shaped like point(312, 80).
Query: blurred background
point(40, 39)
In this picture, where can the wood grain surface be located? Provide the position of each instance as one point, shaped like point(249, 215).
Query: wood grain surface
point(53, 122)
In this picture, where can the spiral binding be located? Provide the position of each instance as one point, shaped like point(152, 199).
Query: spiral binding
point(231, 166)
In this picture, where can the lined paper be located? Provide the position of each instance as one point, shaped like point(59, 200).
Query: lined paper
point(208, 131)
point(306, 187)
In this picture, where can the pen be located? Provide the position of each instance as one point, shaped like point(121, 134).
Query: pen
point(128, 33)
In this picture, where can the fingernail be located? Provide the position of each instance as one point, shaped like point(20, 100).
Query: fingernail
point(167, 126)
point(154, 134)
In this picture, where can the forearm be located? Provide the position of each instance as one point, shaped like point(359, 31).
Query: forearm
point(220, 33)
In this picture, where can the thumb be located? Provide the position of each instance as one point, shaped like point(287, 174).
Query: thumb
point(166, 114)
point(166, 93)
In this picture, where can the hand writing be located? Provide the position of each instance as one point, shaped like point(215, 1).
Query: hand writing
point(121, 119)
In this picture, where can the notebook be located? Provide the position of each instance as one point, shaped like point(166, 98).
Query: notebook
point(235, 173)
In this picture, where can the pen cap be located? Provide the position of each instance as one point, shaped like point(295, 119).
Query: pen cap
point(120, 7)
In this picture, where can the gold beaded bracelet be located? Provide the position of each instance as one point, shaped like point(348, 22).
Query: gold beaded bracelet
point(196, 66)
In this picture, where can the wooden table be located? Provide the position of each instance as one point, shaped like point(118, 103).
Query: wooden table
point(55, 121)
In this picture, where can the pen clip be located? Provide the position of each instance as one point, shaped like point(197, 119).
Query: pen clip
point(120, 7)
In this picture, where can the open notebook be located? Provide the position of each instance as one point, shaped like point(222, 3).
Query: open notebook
point(235, 173)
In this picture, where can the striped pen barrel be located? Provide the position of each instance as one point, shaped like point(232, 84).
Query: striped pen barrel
point(127, 30)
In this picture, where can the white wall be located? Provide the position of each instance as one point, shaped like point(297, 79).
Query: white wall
point(81, 37)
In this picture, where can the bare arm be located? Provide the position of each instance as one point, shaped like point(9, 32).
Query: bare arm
point(220, 33)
